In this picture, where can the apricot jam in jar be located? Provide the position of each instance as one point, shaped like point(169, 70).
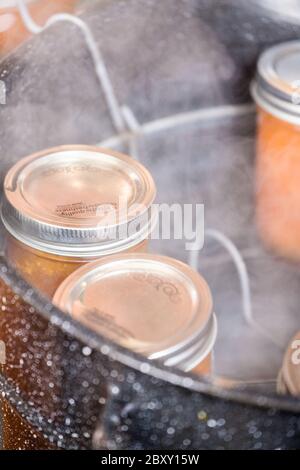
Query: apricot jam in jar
point(276, 91)
point(12, 28)
point(154, 305)
point(69, 205)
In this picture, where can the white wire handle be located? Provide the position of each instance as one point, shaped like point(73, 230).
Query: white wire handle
point(100, 68)
point(243, 277)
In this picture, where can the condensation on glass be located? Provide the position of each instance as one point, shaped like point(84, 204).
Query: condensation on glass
point(276, 91)
point(12, 29)
point(154, 305)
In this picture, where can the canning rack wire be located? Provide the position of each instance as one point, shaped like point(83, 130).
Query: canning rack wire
point(129, 131)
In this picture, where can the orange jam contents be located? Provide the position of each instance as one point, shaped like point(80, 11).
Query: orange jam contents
point(204, 367)
point(12, 29)
point(276, 94)
point(278, 184)
point(46, 271)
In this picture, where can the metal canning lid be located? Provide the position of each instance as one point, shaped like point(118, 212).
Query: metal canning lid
point(152, 304)
point(277, 85)
point(291, 366)
point(78, 201)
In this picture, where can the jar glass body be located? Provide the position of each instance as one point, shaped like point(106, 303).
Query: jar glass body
point(46, 271)
point(277, 184)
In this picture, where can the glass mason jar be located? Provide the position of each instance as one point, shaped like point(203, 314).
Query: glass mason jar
point(276, 92)
point(12, 29)
point(154, 305)
point(288, 381)
point(64, 207)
